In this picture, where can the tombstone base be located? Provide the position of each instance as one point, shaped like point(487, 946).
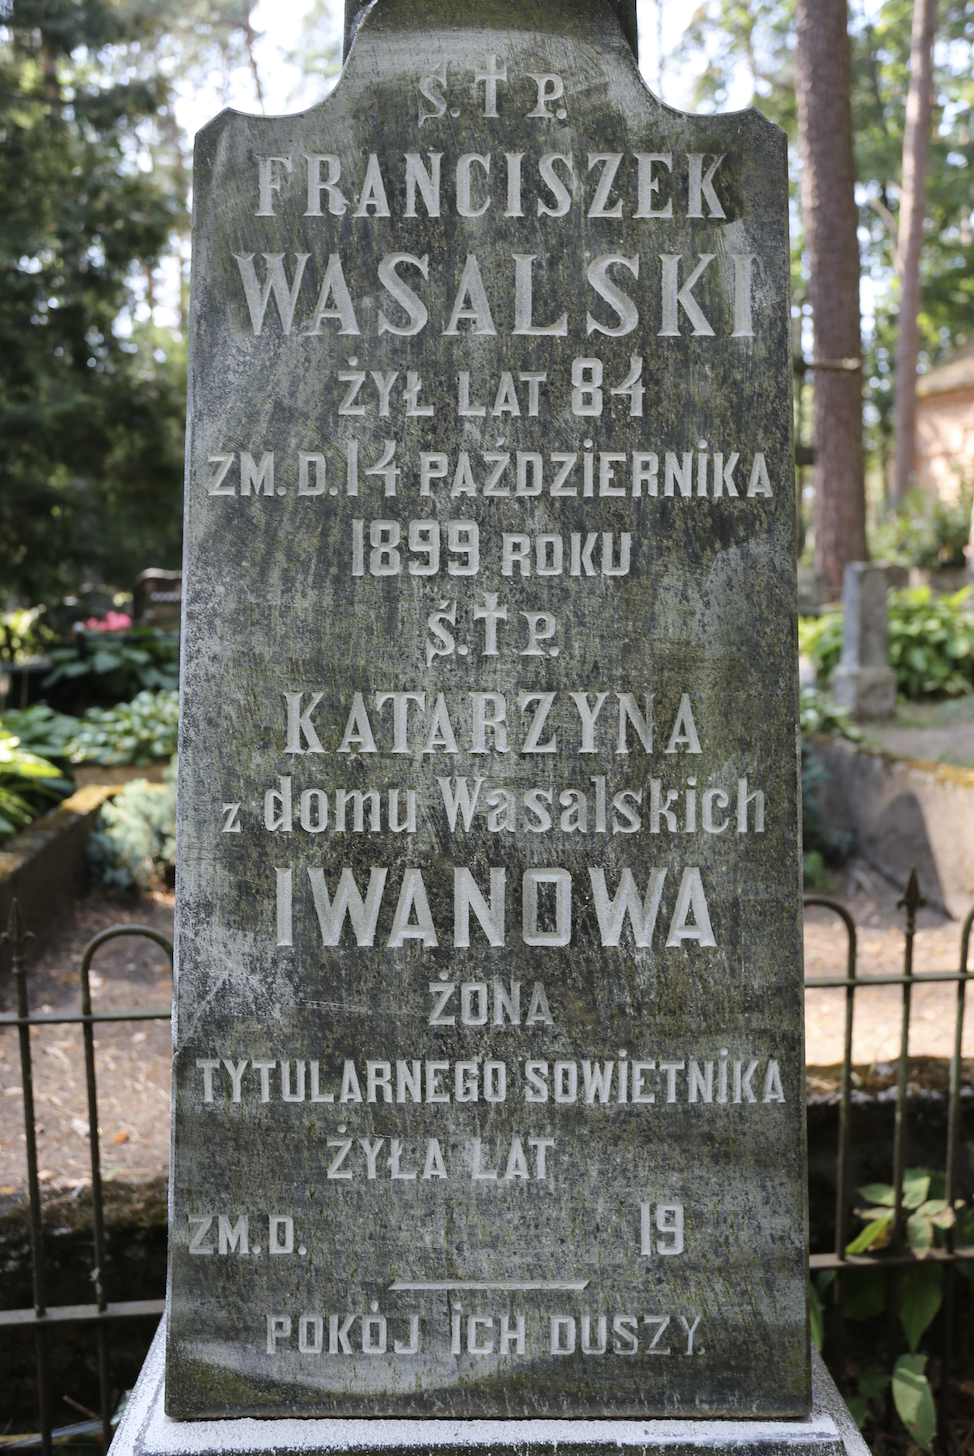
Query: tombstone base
point(145, 1430)
point(869, 692)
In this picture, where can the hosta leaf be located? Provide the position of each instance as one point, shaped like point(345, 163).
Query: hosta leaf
point(916, 1186)
point(874, 1235)
point(873, 1381)
point(921, 1293)
point(877, 1193)
point(919, 1235)
point(914, 1399)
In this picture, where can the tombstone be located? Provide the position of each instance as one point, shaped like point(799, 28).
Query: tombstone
point(157, 597)
point(864, 680)
point(488, 1076)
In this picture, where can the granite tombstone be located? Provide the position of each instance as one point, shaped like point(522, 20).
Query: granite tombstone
point(864, 680)
point(488, 1060)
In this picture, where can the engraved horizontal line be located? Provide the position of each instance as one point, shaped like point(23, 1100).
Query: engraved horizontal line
point(451, 1284)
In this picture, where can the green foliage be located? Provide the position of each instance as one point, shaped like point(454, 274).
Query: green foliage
point(140, 732)
point(116, 665)
point(25, 635)
point(866, 1293)
point(920, 1289)
point(921, 1295)
point(914, 1399)
point(816, 1292)
point(819, 714)
point(872, 1384)
point(90, 401)
point(26, 781)
point(931, 642)
point(135, 844)
point(759, 36)
point(925, 531)
point(820, 640)
point(42, 731)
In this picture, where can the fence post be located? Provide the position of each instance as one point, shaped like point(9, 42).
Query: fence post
point(18, 935)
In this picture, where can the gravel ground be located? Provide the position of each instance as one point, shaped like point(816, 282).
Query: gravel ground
point(133, 1058)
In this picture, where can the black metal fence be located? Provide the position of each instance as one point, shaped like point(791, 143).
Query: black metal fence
point(42, 1317)
point(895, 1257)
point(101, 1313)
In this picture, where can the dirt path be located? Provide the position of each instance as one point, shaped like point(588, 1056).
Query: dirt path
point(133, 1058)
point(876, 1028)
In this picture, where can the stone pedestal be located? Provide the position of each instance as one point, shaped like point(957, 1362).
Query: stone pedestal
point(864, 682)
point(870, 692)
point(145, 1430)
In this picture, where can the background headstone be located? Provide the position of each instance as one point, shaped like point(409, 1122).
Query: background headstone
point(864, 680)
point(488, 1063)
point(157, 597)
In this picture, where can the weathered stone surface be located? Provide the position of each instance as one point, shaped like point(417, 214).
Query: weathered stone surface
point(489, 518)
point(145, 1430)
point(904, 814)
point(864, 680)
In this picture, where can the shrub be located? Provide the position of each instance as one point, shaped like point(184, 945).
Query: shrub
point(926, 532)
point(820, 640)
point(28, 783)
point(117, 665)
point(42, 731)
point(24, 635)
point(135, 843)
point(140, 732)
point(931, 642)
point(820, 715)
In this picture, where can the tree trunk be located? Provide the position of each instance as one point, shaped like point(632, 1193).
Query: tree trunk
point(916, 139)
point(830, 216)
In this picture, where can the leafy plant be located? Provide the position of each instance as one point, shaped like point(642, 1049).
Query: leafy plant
point(819, 714)
point(26, 781)
point(927, 1214)
point(117, 665)
point(24, 635)
point(921, 1287)
point(926, 531)
point(914, 1399)
point(42, 731)
point(872, 1384)
point(135, 843)
point(931, 642)
point(820, 640)
point(140, 732)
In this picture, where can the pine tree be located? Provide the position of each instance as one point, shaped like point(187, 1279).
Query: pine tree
point(91, 407)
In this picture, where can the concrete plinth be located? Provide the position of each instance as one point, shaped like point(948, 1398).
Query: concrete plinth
point(145, 1430)
point(868, 692)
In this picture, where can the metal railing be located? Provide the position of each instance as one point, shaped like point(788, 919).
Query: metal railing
point(897, 1258)
point(100, 1314)
point(41, 1318)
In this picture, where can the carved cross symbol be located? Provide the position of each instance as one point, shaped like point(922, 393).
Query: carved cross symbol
point(490, 614)
point(490, 77)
